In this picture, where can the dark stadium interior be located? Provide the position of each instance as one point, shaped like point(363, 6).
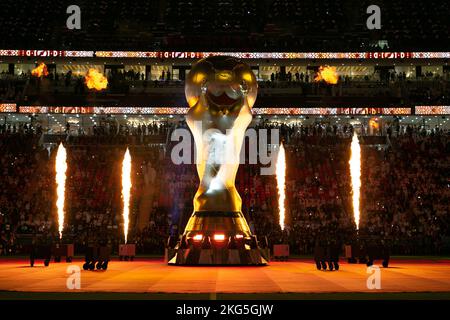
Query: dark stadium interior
point(363, 116)
point(250, 25)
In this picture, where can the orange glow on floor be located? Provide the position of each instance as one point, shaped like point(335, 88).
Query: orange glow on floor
point(151, 275)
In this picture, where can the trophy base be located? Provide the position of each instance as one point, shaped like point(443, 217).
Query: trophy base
point(217, 238)
point(217, 256)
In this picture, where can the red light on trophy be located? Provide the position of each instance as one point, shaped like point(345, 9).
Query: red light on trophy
point(219, 237)
point(198, 237)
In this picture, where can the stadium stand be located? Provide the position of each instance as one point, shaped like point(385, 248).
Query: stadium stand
point(405, 188)
point(287, 25)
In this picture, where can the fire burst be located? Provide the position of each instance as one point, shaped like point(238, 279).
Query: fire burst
point(61, 169)
point(126, 191)
point(40, 71)
point(327, 74)
point(95, 80)
point(281, 186)
point(355, 173)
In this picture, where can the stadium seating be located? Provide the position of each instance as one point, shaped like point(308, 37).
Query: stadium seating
point(236, 25)
point(405, 194)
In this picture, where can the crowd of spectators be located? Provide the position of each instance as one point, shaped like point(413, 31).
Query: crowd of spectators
point(93, 203)
point(11, 87)
point(396, 87)
point(109, 130)
point(405, 192)
point(405, 189)
point(267, 25)
point(26, 189)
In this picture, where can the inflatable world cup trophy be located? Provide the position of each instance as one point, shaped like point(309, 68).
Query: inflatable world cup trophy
point(220, 92)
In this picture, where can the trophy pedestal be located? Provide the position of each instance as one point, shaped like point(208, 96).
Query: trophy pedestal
point(217, 238)
point(251, 257)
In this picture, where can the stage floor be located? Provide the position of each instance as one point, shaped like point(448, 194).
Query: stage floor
point(295, 276)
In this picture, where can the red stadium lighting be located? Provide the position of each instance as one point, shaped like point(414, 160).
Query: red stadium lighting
point(219, 237)
point(198, 237)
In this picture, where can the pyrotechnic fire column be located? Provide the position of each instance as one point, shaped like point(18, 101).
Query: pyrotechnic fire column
point(220, 92)
point(127, 251)
point(60, 249)
point(364, 248)
point(44, 246)
point(281, 250)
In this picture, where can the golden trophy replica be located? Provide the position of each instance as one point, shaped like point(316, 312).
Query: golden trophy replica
point(220, 92)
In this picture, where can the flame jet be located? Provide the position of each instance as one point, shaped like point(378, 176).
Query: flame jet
point(281, 184)
point(355, 173)
point(126, 191)
point(61, 169)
